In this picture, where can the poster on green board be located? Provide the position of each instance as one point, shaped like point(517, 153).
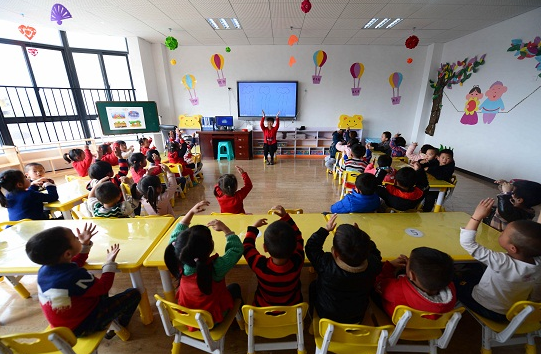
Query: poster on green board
point(128, 117)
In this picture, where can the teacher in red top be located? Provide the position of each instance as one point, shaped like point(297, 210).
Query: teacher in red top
point(269, 144)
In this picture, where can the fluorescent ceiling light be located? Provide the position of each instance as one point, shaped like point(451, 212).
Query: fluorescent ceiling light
point(224, 23)
point(371, 22)
point(384, 21)
point(394, 23)
point(212, 23)
point(235, 23)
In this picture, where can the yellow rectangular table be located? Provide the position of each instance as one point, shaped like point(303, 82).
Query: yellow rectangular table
point(136, 236)
point(307, 223)
point(70, 194)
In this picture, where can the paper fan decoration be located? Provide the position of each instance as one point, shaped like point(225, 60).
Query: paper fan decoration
point(171, 43)
point(59, 13)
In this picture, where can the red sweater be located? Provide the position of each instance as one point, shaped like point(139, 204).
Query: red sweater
point(234, 204)
point(144, 150)
point(269, 132)
point(82, 166)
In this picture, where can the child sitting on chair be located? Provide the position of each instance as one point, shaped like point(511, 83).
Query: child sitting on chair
point(278, 277)
point(345, 276)
point(107, 200)
point(510, 276)
point(35, 171)
point(230, 199)
point(397, 146)
point(362, 199)
point(384, 146)
point(384, 163)
point(442, 168)
point(411, 186)
point(356, 162)
point(101, 169)
point(69, 295)
point(427, 153)
point(426, 285)
point(156, 197)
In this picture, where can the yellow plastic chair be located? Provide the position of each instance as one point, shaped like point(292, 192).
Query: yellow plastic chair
point(337, 156)
point(23, 292)
point(415, 325)
point(348, 181)
point(177, 320)
point(77, 211)
point(349, 338)
point(177, 168)
point(337, 171)
point(5, 224)
point(275, 322)
point(289, 211)
point(524, 320)
point(51, 341)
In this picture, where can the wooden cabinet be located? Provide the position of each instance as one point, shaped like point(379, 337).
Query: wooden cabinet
point(242, 143)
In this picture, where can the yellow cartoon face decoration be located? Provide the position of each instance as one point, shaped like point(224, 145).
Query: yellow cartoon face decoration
point(189, 122)
point(352, 122)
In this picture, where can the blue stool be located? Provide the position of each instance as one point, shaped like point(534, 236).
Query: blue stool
point(225, 149)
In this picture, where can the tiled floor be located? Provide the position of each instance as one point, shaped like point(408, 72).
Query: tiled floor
point(291, 183)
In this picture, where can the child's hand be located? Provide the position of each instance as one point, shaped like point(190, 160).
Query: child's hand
point(279, 210)
point(331, 224)
point(399, 262)
point(103, 180)
point(414, 145)
point(506, 187)
point(239, 170)
point(165, 168)
point(200, 207)
point(500, 181)
point(112, 253)
point(260, 222)
point(397, 135)
point(483, 209)
point(88, 232)
point(277, 114)
point(416, 165)
point(262, 111)
point(218, 225)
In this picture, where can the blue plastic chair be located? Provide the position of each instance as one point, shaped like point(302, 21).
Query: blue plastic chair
point(225, 149)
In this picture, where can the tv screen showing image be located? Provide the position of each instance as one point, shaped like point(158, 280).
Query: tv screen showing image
point(270, 96)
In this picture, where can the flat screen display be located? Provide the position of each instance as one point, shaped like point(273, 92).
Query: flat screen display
point(270, 96)
point(224, 121)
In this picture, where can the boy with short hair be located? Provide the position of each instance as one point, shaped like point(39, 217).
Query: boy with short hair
point(345, 275)
point(384, 146)
point(356, 162)
point(384, 163)
point(69, 295)
point(278, 276)
point(426, 286)
point(441, 168)
point(509, 277)
point(35, 171)
point(411, 186)
point(101, 169)
point(108, 200)
point(362, 199)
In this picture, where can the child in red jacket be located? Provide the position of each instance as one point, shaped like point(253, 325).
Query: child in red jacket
point(270, 145)
point(80, 160)
point(229, 198)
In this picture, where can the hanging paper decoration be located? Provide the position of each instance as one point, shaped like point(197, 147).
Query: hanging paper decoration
point(189, 82)
point(173, 62)
point(27, 31)
point(59, 13)
point(32, 51)
point(227, 49)
point(217, 61)
point(171, 43)
point(527, 50)
point(356, 70)
point(306, 6)
point(410, 60)
point(320, 57)
point(292, 40)
point(292, 61)
point(395, 80)
point(412, 42)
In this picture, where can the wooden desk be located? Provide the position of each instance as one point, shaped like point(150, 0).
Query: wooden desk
point(70, 194)
point(440, 231)
point(242, 143)
point(307, 223)
point(136, 236)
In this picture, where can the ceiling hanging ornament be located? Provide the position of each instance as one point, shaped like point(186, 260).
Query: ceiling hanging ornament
point(171, 42)
point(306, 6)
point(59, 13)
point(412, 41)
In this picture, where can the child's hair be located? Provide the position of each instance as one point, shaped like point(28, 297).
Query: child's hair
point(405, 177)
point(105, 148)
point(142, 141)
point(385, 161)
point(99, 170)
point(9, 180)
point(192, 247)
point(432, 267)
point(120, 142)
point(280, 240)
point(174, 146)
point(46, 247)
point(358, 151)
point(28, 166)
point(270, 120)
point(400, 141)
point(475, 89)
point(71, 155)
point(228, 184)
point(366, 183)
point(107, 192)
point(351, 244)
point(427, 147)
point(529, 191)
point(526, 236)
point(446, 151)
point(387, 135)
point(150, 153)
point(136, 160)
point(148, 186)
point(353, 134)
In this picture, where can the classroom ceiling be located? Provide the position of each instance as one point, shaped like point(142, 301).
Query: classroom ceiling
point(268, 22)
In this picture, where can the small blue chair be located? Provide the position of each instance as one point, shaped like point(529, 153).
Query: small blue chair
point(225, 149)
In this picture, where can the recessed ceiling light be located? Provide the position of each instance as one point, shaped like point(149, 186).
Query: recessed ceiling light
point(212, 23)
point(394, 23)
point(224, 23)
point(235, 23)
point(384, 21)
point(371, 22)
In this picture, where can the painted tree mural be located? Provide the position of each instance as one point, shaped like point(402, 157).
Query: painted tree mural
point(449, 75)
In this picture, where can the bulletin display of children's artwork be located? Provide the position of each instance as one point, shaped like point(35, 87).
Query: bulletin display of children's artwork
point(128, 117)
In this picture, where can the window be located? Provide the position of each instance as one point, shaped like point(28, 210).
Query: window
point(93, 41)
point(49, 68)
point(88, 70)
point(13, 71)
point(118, 74)
point(10, 30)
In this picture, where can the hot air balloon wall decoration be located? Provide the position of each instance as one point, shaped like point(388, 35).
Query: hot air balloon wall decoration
point(395, 80)
point(189, 82)
point(217, 61)
point(356, 70)
point(320, 57)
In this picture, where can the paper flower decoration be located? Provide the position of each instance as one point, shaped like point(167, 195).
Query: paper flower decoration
point(409, 60)
point(27, 31)
point(171, 43)
point(59, 13)
point(173, 62)
point(227, 49)
point(412, 42)
point(33, 51)
point(306, 6)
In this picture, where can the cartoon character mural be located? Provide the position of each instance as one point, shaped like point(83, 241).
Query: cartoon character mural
point(493, 103)
point(472, 106)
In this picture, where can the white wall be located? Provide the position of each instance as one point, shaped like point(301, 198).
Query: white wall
point(508, 147)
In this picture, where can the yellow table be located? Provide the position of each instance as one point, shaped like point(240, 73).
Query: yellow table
point(439, 230)
point(70, 194)
point(307, 223)
point(136, 236)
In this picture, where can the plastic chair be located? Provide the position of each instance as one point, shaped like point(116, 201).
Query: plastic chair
point(524, 319)
point(337, 172)
point(177, 321)
point(225, 149)
point(5, 224)
point(177, 169)
point(349, 182)
point(349, 338)
point(337, 157)
point(289, 211)
point(275, 322)
point(77, 212)
point(51, 341)
point(415, 325)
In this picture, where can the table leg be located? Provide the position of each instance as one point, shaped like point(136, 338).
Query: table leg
point(144, 305)
point(18, 286)
point(67, 215)
point(439, 201)
point(168, 290)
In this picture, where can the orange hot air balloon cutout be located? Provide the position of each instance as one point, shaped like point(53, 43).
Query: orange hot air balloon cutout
point(292, 40)
point(292, 61)
point(217, 61)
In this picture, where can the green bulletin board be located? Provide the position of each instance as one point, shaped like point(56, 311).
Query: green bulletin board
point(128, 117)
